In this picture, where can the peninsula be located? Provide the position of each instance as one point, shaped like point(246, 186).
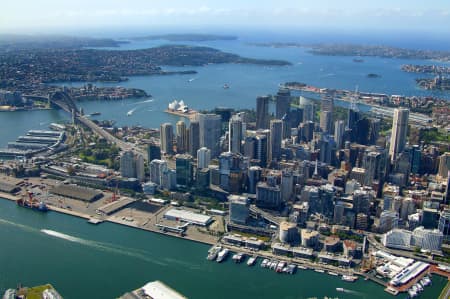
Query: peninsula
point(25, 70)
point(328, 49)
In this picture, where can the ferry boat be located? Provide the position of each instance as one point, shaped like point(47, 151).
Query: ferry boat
point(349, 278)
point(252, 260)
point(223, 254)
point(213, 252)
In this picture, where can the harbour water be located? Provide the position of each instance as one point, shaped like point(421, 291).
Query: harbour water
point(104, 261)
point(246, 82)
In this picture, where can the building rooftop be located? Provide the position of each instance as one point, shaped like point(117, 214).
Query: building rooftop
point(76, 192)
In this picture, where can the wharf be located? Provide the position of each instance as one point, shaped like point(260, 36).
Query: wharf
point(9, 196)
point(191, 114)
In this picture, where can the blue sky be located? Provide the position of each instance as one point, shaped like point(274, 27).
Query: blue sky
point(59, 15)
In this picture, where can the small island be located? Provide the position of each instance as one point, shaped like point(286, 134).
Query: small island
point(191, 37)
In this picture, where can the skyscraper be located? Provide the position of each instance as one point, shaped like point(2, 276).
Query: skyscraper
point(399, 131)
point(283, 102)
point(339, 130)
point(157, 169)
point(153, 151)
point(127, 165)
point(166, 135)
point(203, 158)
point(210, 132)
point(262, 112)
point(140, 167)
point(276, 128)
point(182, 138)
point(184, 172)
point(235, 135)
point(261, 149)
point(194, 137)
point(326, 114)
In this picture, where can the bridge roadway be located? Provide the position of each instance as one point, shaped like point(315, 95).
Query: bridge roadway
point(68, 105)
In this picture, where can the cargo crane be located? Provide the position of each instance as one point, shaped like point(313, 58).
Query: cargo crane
point(32, 203)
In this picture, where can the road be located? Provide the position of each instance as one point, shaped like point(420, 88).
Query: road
point(66, 106)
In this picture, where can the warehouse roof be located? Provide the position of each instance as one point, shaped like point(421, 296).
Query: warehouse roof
point(77, 192)
point(188, 216)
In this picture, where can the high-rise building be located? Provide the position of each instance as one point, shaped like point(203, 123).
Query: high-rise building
point(166, 135)
point(250, 147)
point(276, 128)
point(235, 135)
point(127, 165)
point(427, 239)
point(261, 149)
point(181, 137)
point(140, 167)
point(326, 114)
point(184, 169)
point(268, 196)
point(239, 209)
point(262, 112)
point(361, 201)
point(444, 224)
point(203, 158)
point(399, 131)
point(283, 102)
point(157, 169)
point(210, 132)
point(416, 157)
point(388, 221)
point(153, 151)
point(339, 130)
point(254, 176)
point(308, 112)
point(287, 185)
point(194, 137)
point(444, 165)
point(286, 126)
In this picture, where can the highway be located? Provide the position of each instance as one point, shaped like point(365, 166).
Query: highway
point(67, 104)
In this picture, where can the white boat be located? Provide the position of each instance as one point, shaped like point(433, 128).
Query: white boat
point(213, 252)
point(252, 260)
point(273, 265)
point(333, 273)
point(130, 113)
point(223, 254)
point(340, 289)
point(238, 257)
point(303, 267)
point(264, 263)
point(319, 271)
point(411, 293)
point(349, 278)
point(291, 268)
point(280, 267)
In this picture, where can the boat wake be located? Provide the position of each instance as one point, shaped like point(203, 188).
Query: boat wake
point(351, 292)
point(21, 226)
point(104, 246)
point(146, 101)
